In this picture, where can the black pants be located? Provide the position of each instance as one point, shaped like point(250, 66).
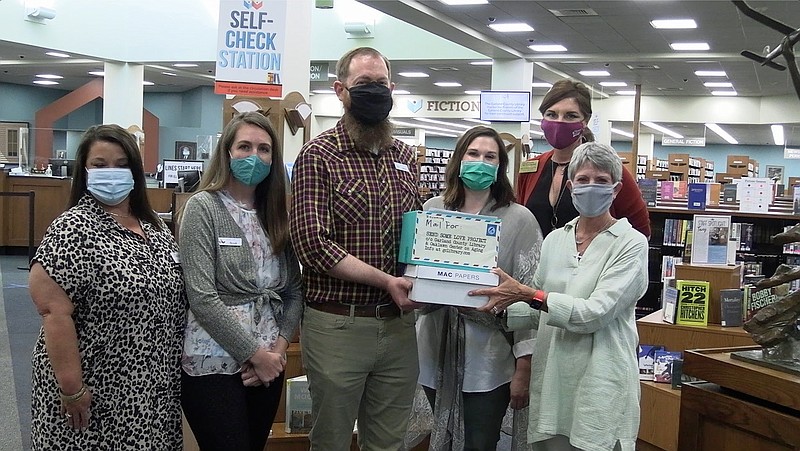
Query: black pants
point(225, 415)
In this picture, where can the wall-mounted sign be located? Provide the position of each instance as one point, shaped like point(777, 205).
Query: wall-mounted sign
point(404, 132)
point(686, 142)
point(319, 72)
point(791, 153)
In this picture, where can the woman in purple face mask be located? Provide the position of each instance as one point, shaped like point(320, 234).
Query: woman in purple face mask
point(542, 184)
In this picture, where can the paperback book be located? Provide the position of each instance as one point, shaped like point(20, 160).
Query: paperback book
point(298, 406)
point(647, 357)
point(649, 189)
point(662, 367)
point(693, 299)
point(731, 307)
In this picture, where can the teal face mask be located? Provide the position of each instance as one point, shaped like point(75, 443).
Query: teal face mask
point(477, 175)
point(251, 170)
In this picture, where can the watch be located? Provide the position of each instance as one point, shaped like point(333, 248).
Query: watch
point(537, 300)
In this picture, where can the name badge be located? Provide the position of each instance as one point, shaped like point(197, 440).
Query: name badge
point(528, 166)
point(401, 167)
point(230, 241)
point(176, 257)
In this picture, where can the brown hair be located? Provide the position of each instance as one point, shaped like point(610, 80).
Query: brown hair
point(271, 193)
point(112, 133)
point(568, 89)
point(501, 190)
point(343, 65)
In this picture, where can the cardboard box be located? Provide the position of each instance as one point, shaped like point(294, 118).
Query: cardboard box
point(719, 277)
point(726, 177)
point(658, 174)
point(449, 239)
point(298, 406)
point(448, 286)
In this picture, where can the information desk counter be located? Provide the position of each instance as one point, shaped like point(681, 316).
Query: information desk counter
point(51, 196)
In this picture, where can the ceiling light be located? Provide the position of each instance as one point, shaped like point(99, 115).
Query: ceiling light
point(594, 73)
point(50, 76)
point(476, 121)
point(689, 46)
point(464, 2)
point(547, 48)
point(449, 124)
point(423, 126)
point(147, 83)
point(184, 65)
point(777, 134)
point(45, 82)
point(722, 133)
point(39, 13)
point(447, 84)
point(663, 130)
point(413, 74)
point(401, 91)
point(472, 92)
point(535, 122)
point(324, 91)
point(482, 63)
point(613, 83)
point(330, 75)
point(359, 29)
point(621, 132)
point(720, 84)
point(57, 54)
point(97, 73)
point(710, 73)
point(724, 93)
point(673, 24)
point(626, 93)
point(512, 27)
point(171, 74)
point(448, 135)
point(534, 132)
point(541, 84)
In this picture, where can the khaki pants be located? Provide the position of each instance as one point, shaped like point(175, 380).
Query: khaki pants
point(363, 368)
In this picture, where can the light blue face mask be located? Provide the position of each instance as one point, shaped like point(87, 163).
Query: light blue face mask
point(109, 185)
point(250, 170)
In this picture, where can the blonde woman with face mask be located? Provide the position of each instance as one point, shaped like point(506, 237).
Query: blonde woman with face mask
point(584, 379)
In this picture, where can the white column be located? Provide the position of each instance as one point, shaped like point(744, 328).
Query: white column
point(122, 94)
point(296, 68)
point(513, 75)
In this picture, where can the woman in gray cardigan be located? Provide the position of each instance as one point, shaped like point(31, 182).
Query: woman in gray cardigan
point(243, 284)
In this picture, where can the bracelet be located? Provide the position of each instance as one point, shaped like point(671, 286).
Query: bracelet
point(70, 399)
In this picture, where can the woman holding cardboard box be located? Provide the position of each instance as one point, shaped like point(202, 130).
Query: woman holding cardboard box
point(462, 352)
point(584, 391)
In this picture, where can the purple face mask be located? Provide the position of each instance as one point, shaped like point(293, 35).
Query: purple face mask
point(561, 135)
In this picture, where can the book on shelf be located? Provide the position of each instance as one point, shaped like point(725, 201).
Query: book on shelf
point(669, 301)
point(680, 189)
point(710, 240)
point(662, 368)
point(731, 307)
point(649, 189)
point(667, 190)
point(714, 192)
point(647, 357)
point(698, 196)
point(687, 248)
point(734, 240)
point(746, 236)
point(755, 300)
point(796, 201)
point(729, 192)
point(693, 300)
point(298, 406)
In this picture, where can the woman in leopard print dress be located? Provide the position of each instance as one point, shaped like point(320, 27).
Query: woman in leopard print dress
point(107, 282)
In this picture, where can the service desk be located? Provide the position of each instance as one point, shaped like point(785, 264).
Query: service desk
point(51, 197)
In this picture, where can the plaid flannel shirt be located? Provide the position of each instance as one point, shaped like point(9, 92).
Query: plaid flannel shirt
point(349, 201)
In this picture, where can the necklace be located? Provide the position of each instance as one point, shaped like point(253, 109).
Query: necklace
point(563, 166)
point(118, 215)
point(593, 234)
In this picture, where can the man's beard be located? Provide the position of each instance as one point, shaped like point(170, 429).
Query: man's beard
point(368, 137)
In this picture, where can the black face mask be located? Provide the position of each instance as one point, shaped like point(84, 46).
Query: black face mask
point(370, 103)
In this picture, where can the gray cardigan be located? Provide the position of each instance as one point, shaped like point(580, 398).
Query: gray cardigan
point(217, 276)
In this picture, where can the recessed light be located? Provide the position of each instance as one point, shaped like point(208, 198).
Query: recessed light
point(710, 73)
point(324, 91)
point(534, 132)
point(447, 84)
point(50, 76)
point(541, 84)
point(97, 73)
point(482, 63)
point(594, 73)
point(689, 46)
point(547, 48)
point(171, 74)
point(464, 2)
point(673, 24)
point(722, 133)
point(472, 92)
point(147, 83)
point(626, 93)
point(621, 132)
point(777, 134)
point(718, 84)
point(413, 74)
point(45, 82)
point(184, 65)
point(611, 84)
point(57, 54)
point(401, 91)
point(724, 93)
point(511, 27)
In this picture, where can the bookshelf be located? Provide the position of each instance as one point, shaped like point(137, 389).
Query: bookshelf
point(432, 165)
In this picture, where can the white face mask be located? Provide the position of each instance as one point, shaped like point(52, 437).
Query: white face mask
point(592, 199)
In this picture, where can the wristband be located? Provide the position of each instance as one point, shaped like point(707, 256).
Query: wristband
point(69, 399)
point(537, 300)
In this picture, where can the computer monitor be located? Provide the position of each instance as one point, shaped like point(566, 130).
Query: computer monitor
point(188, 180)
point(62, 167)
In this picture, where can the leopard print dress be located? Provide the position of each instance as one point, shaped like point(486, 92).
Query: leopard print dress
point(129, 316)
